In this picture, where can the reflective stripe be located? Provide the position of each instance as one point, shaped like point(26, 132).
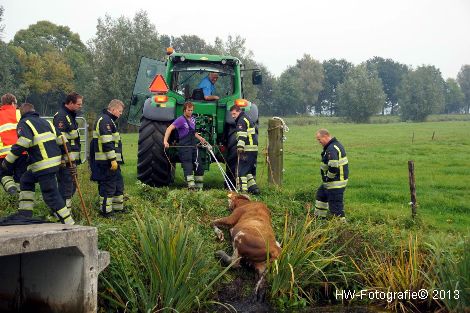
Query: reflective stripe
point(336, 184)
point(241, 134)
point(338, 163)
point(324, 167)
point(251, 180)
point(18, 115)
point(8, 182)
point(241, 143)
point(24, 142)
point(5, 150)
point(320, 212)
point(340, 157)
point(106, 205)
point(61, 140)
point(251, 148)
point(7, 126)
point(40, 144)
point(26, 200)
point(103, 156)
point(44, 164)
point(11, 158)
point(106, 138)
point(330, 175)
point(71, 135)
point(116, 137)
point(118, 203)
point(321, 205)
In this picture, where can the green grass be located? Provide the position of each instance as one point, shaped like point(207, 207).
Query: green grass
point(376, 202)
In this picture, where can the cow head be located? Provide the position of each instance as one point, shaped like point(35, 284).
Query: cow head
point(234, 198)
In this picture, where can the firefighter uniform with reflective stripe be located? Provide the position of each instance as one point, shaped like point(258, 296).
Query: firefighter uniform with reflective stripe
point(43, 142)
point(9, 118)
point(106, 146)
point(65, 121)
point(247, 142)
point(334, 172)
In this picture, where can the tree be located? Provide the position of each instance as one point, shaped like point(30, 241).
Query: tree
point(116, 52)
point(463, 77)
point(189, 44)
point(454, 97)
point(334, 72)
point(266, 99)
point(288, 94)
point(47, 41)
point(421, 93)
point(391, 74)
point(2, 27)
point(47, 78)
point(235, 46)
point(360, 95)
point(310, 78)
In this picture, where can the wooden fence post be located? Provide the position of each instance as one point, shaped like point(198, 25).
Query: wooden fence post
point(411, 179)
point(275, 158)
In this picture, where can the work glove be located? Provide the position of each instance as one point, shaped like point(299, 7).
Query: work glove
point(114, 165)
point(72, 169)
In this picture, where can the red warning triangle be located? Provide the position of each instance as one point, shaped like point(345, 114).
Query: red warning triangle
point(158, 85)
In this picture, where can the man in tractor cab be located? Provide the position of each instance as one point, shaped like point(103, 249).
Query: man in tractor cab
point(208, 86)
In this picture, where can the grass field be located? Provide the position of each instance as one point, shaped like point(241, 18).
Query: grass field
point(378, 154)
point(376, 201)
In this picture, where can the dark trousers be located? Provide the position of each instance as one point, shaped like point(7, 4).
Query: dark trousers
point(110, 186)
point(66, 185)
point(12, 176)
point(334, 198)
point(247, 170)
point(48, 186)
point(188, 158)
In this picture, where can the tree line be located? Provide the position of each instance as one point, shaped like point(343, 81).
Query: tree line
point(45, 61)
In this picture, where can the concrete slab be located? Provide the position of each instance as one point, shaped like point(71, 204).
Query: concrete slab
point(49, 268)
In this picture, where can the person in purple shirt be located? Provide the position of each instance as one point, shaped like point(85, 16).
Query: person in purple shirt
point(189, 154)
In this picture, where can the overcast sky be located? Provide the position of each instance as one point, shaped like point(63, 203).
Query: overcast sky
point(413, 32)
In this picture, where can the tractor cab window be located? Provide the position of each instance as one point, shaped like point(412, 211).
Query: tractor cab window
point(186, 78)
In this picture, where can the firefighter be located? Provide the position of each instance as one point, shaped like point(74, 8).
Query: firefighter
point(334, 172)
point(189, 154)
point(44, 144)
point(65, 121)
point(247, 150)
point(9, 118)
point(105, 159)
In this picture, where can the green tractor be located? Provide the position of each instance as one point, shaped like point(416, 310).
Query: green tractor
point(154, 111)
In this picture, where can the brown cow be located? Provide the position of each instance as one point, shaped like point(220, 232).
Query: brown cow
point(252, 235)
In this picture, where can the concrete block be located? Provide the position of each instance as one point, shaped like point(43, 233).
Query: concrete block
point(50, 268)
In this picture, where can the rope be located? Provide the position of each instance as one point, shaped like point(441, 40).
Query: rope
point(229, 184)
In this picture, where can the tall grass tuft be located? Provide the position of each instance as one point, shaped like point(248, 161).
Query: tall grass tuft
point(163, 268)
point(452, 273)
point(305, 264)
point(389, 273)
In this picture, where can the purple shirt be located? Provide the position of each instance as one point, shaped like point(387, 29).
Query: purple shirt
point(182, 127)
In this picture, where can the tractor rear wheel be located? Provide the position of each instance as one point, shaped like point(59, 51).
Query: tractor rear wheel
point(153, 167)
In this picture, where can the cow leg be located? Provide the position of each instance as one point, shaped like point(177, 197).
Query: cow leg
point(227, 260)
point(228, 221)
point(260, 287)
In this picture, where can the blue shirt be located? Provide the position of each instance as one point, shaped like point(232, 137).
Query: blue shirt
point(207, 86)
